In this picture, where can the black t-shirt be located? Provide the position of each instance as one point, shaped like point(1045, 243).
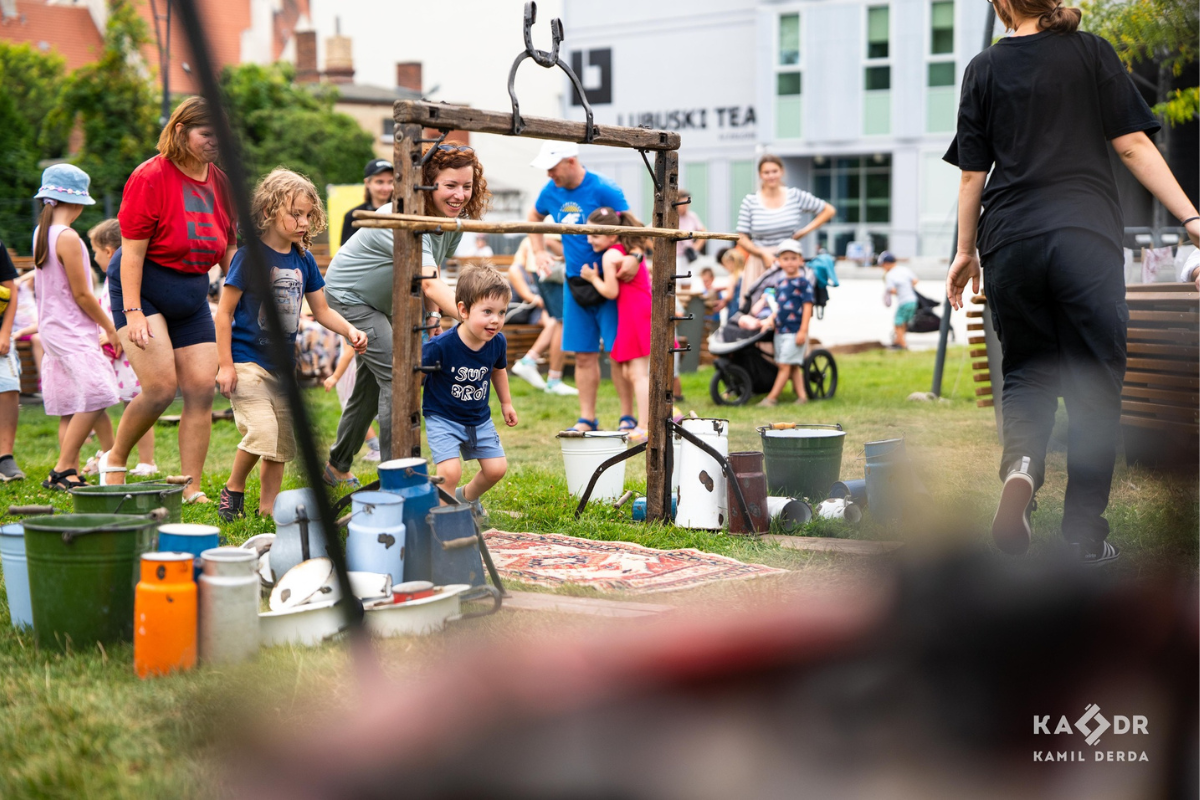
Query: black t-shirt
point(7, 271)
point(1039, 111)
point(348, 228)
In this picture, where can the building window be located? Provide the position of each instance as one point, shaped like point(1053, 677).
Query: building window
point(741, 183)
point(389, 131)
point(860, 188)
point(788, 78)
point(877, 73)
point(695, 180)
point(941, 101)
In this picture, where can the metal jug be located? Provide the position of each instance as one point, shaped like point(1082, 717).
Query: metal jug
point(228, 589)
point(409, 478)
point(455, 556)
point(164, 615)
point(299, 535)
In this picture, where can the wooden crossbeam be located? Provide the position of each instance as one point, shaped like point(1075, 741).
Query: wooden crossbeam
point(463, 118)
point(372, 219)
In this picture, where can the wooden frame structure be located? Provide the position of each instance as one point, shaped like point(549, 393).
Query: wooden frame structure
point(413, 118)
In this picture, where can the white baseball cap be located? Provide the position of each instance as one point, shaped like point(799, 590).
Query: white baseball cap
point(789, 246)
point(554, 152)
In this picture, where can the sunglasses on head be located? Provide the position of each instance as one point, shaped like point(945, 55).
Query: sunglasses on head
point(451, 148)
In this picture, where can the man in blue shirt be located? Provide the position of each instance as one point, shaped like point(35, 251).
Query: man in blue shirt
point(568, 198)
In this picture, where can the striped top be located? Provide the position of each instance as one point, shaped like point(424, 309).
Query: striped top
point(770, 226)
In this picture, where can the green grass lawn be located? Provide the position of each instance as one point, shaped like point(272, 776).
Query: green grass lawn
point(81, 724)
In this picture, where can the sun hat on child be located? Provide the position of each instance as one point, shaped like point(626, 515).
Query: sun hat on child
point(65, 183)
point(788, 246)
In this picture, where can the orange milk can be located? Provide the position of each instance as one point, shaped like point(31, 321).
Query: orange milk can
point(164, 615)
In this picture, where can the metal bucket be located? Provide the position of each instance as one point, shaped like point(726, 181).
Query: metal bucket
point(370, 549)
point(184, 537)
point(409, 478)
point(130, 498)
point(792, 514)
point(228, 591)
point(747, 469)
point(889, 479)
point(703, 490)
point(299, 535)
point(456, 557)
point(16, 574)
point(802, 460)
point(82, 572)
point(853, 491)
point(583, 453)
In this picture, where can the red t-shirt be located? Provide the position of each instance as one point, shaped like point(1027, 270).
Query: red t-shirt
point(189, 223)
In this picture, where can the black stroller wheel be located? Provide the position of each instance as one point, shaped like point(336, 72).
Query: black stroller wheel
point(731, 386)
point(820, 375)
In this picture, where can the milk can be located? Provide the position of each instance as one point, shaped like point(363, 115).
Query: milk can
point(703, 498)
point(228, 605)
point(375, 539)
point(299, 535)
point(164, 615)
point(748, 471)
point(409, 478)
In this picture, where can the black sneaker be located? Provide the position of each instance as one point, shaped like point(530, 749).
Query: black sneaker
point(9, 471)
point(1011, 528)
point(231, 505)
point(1097, 556)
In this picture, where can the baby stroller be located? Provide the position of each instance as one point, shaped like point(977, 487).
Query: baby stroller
point(743, 369)
point(926, 320)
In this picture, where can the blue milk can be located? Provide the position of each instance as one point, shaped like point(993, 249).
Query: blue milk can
point(184, 537)
point(409, 478)
point(375, 541)
point(16, 575)
point(455, 546)
point(888, 479)
point(299, 535)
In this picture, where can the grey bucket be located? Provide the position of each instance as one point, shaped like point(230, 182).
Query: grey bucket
point(802, 460)
point(888, 477)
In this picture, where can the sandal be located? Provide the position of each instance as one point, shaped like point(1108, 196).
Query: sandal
point(103, 468)
point(60, 481)
point(197, 499)
point(592, 425)
point(627, 423)
point(638, 435)
point(333, 480)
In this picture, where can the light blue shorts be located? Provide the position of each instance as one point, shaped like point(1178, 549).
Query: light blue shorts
point(585, 326)
point(449, 440)
point(905, 312)
point(10, 371)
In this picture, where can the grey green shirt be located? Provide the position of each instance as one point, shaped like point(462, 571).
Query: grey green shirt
point(361, 271)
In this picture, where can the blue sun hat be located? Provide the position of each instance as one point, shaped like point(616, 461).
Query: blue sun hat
point(65, 183)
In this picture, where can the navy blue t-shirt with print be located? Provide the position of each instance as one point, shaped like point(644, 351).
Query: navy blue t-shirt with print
point(293, 275)
point(459, 391)
point(791, 294)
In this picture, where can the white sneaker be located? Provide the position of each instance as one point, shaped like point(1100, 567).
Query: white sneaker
point(562, 389)
point(529, 372)
point(371, 455)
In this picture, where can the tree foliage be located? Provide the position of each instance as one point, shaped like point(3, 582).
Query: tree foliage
point(281, 123)
point(31, 86)
point(1164, 32)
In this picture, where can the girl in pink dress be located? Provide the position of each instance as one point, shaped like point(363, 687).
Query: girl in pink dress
point(631, 349)
point(77, 381)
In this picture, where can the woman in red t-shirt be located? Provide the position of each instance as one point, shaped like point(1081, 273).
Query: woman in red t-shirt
point(176, 224)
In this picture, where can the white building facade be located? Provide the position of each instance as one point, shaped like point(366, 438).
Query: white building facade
point(858, 97)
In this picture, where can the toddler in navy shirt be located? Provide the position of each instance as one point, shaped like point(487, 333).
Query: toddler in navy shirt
point(471, 356)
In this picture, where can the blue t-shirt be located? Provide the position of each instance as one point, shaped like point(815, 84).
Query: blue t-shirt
point(460, 391)
point(792, 294)
point(573, 206)
point(293, 275)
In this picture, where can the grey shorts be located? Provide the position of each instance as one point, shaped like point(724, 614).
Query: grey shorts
point(787, 351)
point(449, 440)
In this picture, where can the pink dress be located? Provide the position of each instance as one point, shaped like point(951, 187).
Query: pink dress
point(128, 385)
point(76, 375)
point(633, 315)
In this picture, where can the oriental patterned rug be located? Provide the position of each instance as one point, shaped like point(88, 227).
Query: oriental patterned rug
point(552, 560)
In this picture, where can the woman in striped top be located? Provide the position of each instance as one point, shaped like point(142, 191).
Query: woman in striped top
point(773, 214)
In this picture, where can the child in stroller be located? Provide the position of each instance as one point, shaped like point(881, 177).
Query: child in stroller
point(744, 350)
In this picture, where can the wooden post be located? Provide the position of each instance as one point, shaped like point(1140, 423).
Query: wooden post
point(408, 299)
point(662, 338)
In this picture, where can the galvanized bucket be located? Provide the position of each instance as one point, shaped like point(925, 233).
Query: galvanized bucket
point(889, 479)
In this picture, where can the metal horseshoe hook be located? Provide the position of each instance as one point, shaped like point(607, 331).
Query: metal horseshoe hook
point(548, 61)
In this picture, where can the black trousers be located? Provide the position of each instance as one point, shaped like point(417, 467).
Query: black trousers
point(1058, 306)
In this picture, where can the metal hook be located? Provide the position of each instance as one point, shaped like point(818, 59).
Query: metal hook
point(548, 61)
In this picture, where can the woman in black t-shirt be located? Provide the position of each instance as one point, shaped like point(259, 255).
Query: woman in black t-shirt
point(378, 179)
point(1039, 109)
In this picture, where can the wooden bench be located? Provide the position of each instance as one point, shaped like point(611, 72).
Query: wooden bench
point(1160, 399)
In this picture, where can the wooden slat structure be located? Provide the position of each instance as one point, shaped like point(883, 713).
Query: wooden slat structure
point(1160, 399)
point(412, 118)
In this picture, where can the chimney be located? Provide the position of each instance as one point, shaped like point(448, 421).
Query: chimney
point(306, 57)
point(408, 75)
point(339, 59)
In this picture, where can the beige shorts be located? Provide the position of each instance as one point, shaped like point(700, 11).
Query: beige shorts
point(261, 413)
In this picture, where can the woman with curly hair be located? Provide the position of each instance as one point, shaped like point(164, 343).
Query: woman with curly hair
point(359, 286)
point(177, 221)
